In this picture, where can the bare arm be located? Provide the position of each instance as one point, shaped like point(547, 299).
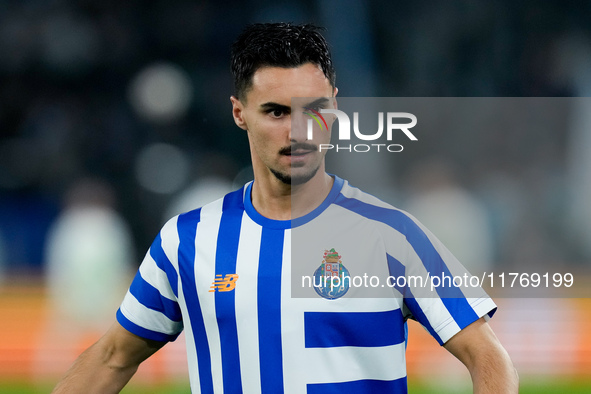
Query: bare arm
point(489, 364)
point(107, 366)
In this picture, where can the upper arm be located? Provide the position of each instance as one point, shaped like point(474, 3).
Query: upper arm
point(122, 349)
point(473, 341)
point(107, 366)
point(488, 362)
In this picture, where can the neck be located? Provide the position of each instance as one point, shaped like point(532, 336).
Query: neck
point(276, 200)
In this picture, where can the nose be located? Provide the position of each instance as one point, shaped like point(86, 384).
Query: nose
point(299, 127)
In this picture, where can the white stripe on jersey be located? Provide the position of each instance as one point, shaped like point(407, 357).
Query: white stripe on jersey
point(148, 318)
point(156, 277)
point(193, 364)
point(170, 243)
point(346, 363)
point(205, 251)
point(246, 304)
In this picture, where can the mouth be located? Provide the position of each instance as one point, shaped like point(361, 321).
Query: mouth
point(298, 150)
point(298, 156)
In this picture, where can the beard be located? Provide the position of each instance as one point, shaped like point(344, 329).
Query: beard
point(288, 179)
point(294, 180)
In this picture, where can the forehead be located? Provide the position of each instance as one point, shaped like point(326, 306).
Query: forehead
point(280, 84)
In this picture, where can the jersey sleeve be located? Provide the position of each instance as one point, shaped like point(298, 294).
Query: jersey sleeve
point(432, 297)
point(150, 308)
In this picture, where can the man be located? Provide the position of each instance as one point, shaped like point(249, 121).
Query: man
point(223, 272)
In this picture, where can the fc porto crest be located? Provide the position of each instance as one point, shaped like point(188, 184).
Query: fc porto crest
point(331, 279)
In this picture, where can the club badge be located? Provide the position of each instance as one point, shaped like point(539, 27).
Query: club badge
point(331, 279)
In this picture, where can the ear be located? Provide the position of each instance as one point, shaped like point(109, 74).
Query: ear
point(238, 112)
point(334, 98)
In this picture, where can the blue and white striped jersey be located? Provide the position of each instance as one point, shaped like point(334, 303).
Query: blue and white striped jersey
point(238, 284)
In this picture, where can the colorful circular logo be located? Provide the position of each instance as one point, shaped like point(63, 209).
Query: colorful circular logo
point(331, 280)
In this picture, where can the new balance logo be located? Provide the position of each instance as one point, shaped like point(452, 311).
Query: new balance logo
point(227, 283)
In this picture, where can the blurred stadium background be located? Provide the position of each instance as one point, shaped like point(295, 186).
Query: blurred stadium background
point(115, 115)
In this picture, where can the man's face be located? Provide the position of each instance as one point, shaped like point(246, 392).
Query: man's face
point(277, 149)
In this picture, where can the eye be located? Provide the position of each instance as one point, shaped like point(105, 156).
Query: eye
point(276, 113)
point(315, 108)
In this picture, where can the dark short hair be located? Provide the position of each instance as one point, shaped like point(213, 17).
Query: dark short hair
point(278, 45)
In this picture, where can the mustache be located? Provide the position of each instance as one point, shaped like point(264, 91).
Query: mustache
point(300, 145)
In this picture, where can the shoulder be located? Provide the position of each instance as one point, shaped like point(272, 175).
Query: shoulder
point(372, 208)
point(231, 202)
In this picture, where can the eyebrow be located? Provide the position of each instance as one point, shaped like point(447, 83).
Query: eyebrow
point(274, 106)
point(318, 102)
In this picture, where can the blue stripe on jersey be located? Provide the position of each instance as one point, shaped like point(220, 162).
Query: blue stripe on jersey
point(397, 269)
point(360, 387)
point(187, 228)
point(269, 310)
point(452, 297)
point(152, 299)
point(225, 302)
point(144, 332)
point(367, 329)
point(419, 316)
point(164, 263)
